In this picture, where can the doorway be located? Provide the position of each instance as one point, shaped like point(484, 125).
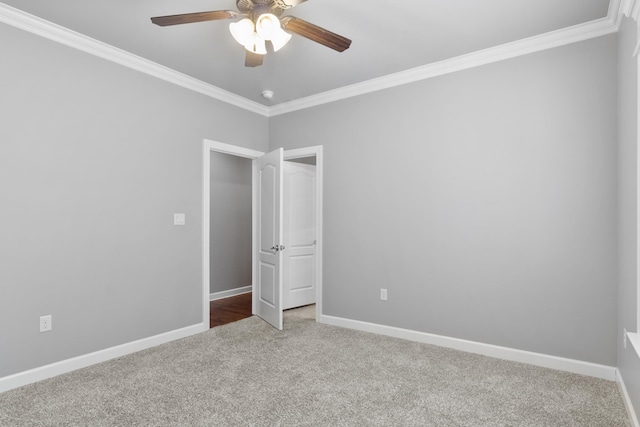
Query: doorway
point(308, 155)
point(299, 232)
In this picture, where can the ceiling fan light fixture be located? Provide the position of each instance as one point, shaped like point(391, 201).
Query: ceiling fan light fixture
point(242, 31)
point(255, 28)
point(256, 45)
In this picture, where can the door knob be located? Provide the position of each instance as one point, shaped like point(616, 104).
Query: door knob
point(277, 248)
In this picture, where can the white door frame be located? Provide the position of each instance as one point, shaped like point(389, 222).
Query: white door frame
point(220, 147)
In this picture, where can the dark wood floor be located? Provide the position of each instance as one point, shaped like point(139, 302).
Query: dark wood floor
point(229, 310)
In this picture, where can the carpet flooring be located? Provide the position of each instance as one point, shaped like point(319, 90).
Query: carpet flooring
point(248, 374)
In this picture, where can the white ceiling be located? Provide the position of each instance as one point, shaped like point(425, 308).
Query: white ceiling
point(388, 37)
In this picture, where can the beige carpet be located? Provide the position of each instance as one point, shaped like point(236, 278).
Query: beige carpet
point(248, 374)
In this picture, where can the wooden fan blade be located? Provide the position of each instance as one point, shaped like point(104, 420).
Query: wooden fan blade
point(253, 59)
point(315, 33)
point(187, 18)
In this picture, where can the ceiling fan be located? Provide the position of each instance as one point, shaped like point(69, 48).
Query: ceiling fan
point(262, 22)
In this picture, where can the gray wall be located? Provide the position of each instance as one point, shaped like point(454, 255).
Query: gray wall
point(94, 160)
point(230, 232)
point(628, 361)
point(484, 201)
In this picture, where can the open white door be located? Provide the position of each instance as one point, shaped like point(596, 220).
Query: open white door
point(268, 285)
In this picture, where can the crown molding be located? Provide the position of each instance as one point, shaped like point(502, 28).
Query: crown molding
point(630, 9)
point(25, 21)
point(577, 33)
point(600, 27)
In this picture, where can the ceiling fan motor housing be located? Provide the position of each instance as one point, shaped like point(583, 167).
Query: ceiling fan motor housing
point(255, 8)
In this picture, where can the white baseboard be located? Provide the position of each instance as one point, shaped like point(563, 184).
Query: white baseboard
point(229, 293)
point(41, 373)
point(505, 353)
point(627, 400)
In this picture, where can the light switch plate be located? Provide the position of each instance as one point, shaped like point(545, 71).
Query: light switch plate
point(179, 219)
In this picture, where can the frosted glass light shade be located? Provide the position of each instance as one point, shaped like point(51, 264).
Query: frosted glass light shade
point(267, 26)
point(256, 45)
point(242, 31)
point(280, 39)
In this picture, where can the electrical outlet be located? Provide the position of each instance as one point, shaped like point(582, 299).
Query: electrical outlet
point(45, 323)
point(383, 294)
point(624, 338)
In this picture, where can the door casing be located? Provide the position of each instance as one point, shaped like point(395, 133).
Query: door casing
point(208, 147)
